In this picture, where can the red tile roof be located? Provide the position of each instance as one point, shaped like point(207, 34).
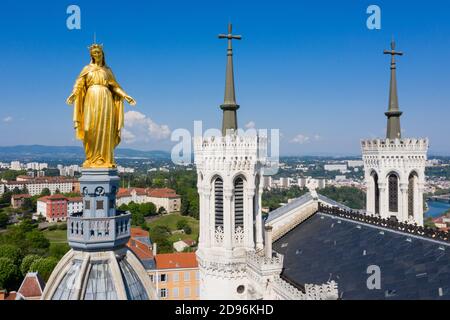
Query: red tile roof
point(32, 286)
point(151, 192)
point(162, 193)
point(141, 249)
point(176, 260)
point(139, 232)
point(21, 196)
point(52, 198)
point(75, 199)
point(4, 295)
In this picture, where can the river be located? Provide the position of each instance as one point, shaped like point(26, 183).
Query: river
point(436, 209)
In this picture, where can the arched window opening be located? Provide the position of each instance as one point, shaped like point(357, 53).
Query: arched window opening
point(218, 202)
point(393, 193)
point(239, 203)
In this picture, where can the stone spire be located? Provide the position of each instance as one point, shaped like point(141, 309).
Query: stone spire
point(394, 113)
point(229, 105)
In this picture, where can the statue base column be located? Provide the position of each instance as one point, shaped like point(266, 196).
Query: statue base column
point(99, 226)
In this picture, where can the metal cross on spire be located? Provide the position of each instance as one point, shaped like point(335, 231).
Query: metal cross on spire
point(229, 105)
point(394, 113)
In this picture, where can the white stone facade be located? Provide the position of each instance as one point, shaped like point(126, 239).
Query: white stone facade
point(395, 177)
point(223, 245)
point(235, 263)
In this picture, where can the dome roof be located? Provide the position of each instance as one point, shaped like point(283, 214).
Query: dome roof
point(105, 275)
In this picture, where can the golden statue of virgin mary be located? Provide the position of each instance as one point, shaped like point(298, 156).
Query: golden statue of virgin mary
point(98, 110)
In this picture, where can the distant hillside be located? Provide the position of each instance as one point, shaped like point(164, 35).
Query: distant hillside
point(65, 152)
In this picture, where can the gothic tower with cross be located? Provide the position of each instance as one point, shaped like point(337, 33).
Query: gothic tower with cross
point(229, 168)
point(394, 167)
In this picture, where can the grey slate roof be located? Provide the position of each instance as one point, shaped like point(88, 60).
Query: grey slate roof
point(326, 248)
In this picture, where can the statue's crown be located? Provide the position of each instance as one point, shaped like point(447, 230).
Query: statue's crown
point(95, 45)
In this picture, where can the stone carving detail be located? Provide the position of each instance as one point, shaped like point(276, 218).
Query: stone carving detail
point(99, 191)
point(218, 235)
point(85, 191)
point(239, 235)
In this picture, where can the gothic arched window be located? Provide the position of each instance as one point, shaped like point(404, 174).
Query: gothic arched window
point(218, 202)
point(239, 202)
point(393, 193)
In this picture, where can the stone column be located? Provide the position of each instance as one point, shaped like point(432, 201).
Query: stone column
point(259, 228)
point(248, 217)
point(418, 215)
point(370, 199)
point(228, 227)
point(268, 241)
point(383, 199)
point(403, 203)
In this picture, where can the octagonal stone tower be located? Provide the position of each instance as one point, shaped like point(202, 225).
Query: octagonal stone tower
point(394, 168)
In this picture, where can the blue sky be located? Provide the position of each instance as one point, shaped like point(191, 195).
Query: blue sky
point(309, 68)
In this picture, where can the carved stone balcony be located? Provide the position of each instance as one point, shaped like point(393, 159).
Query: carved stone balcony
point(98, 233)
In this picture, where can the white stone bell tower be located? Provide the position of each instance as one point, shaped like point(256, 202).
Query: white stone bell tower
point(229, 169)
point(394, 167)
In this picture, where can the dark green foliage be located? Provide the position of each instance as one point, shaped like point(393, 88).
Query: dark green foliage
point(4, 218)
point(45, 192)
point(181, 224)
point(349, 196)
point(37, 240)
point(9, 274)
point(52, 227)
point(11, 252)
point(159, 235)
point(187, 229)
point(27, 261)
point(44, 266)
point(58, 250)
point(62, 226)
point(274, 197)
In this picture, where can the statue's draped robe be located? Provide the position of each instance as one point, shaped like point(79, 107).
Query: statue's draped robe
point(98, 115)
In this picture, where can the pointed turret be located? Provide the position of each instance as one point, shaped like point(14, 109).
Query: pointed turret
point(393, 114)
point(229, 105)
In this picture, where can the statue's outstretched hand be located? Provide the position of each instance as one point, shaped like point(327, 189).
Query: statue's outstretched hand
point(71, 99)
point(130, 100)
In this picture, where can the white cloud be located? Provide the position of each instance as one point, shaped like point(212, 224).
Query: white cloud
point(300, 139)
point(140, 128)
point(128, 136)
point(250, 125)
point(8, 119)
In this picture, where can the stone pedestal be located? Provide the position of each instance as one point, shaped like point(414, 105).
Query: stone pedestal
point(100, 226)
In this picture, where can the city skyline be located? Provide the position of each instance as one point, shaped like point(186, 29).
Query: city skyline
point(312, 71)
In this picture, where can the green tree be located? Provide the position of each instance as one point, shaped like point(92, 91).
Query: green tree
point(44, 266)
point(9, 274)
point(58, 250)
point(4, 219)
point(161, 210)
point(28, 205)
point(11, 252)
point(187, 229)
point(27, 262)
point(147, 209)
point(181, 224)
point(37, 240)
point(45, 192)
point(137, 219)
